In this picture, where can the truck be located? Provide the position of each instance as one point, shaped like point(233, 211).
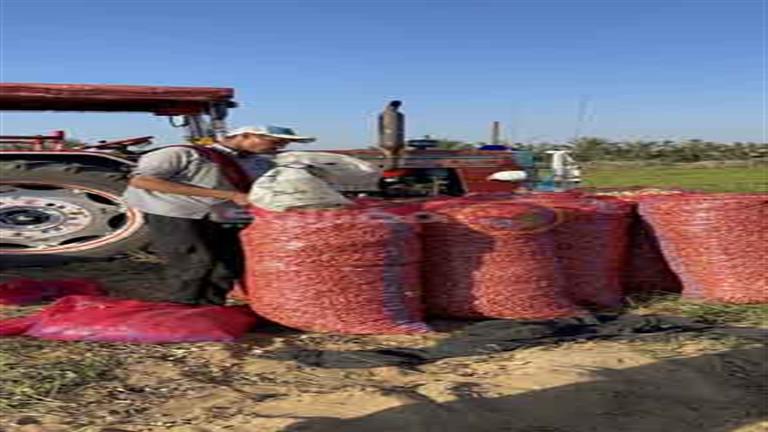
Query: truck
point(62, 202)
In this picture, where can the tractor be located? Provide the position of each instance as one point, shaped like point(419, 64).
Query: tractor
point(60, 202)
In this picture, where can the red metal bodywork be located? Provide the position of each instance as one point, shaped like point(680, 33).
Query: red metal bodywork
point(472, 166)
point(111, 98)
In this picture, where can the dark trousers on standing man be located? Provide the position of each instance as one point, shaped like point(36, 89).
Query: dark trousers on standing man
point(203, 259)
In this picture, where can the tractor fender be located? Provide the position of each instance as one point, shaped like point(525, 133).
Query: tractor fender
point(91, 158)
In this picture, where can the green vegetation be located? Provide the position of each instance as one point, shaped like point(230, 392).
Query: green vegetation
point(721, 179)
point(588, 149)
point(709, 313)
point(600, 149)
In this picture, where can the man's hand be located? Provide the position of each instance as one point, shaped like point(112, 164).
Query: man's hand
point(239, 198)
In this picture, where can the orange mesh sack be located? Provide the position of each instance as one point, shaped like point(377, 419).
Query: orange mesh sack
point(347, 271)
point(493, 260)
point(646, 270)
point(715, 243)
point(591, 245)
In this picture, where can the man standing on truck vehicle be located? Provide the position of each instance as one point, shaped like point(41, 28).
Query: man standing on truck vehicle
point(179, 188)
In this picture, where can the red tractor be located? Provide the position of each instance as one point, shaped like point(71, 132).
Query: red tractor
point(59, 202)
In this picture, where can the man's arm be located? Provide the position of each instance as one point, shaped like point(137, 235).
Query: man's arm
point(156, 169)
point(160, 185)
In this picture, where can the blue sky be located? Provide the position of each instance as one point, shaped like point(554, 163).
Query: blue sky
point(547, 69)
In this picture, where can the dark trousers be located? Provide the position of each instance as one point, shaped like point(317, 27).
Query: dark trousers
point(203, 258)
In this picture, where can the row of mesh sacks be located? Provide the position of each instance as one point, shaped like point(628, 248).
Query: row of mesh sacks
point(706, 246)
point(383, 267)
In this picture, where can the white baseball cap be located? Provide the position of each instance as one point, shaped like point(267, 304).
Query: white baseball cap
point(281, 132)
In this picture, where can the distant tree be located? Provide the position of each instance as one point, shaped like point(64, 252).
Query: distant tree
point(73, 143)
point(591, 148)
point(448, 144)
point(601, 149)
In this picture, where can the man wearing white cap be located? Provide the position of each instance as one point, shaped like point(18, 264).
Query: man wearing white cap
point(179, 187)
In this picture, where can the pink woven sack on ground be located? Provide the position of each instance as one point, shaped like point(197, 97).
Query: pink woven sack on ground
point(21, 292)
point(347, 271)
point(715, 243)
point(492, 260)
point(105, 319)
point(17, 325)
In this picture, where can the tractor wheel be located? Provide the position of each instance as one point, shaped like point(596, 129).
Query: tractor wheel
point(53, 212)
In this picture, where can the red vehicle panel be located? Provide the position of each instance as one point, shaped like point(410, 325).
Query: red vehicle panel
point(115, 98)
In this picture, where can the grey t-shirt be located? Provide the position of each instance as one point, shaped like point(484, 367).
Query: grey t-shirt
point(187, 166)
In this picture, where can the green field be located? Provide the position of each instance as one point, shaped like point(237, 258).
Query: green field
point(723, 179)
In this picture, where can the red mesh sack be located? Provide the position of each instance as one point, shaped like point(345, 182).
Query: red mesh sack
point(436, 203)
point(105, 319)
point(630, 193)
point(647, 270)
point(591, 245)
point(20, 292)
point(715, 243)
point(493, 260)
point(502, 196)
point(402, 207)
point(346, 271)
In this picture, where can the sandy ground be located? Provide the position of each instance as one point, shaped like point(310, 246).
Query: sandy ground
point(677, 383)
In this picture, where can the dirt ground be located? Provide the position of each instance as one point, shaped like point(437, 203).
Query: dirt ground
point(713, 381)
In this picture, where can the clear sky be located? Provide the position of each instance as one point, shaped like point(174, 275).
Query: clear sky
point(547, 69)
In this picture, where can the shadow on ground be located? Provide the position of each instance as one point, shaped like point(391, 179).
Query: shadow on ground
point(487, 337)
point(710, 393)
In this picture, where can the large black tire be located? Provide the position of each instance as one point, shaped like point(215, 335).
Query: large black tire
point(93, 222)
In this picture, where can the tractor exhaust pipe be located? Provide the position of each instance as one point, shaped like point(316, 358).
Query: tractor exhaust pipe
point(392, 133)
